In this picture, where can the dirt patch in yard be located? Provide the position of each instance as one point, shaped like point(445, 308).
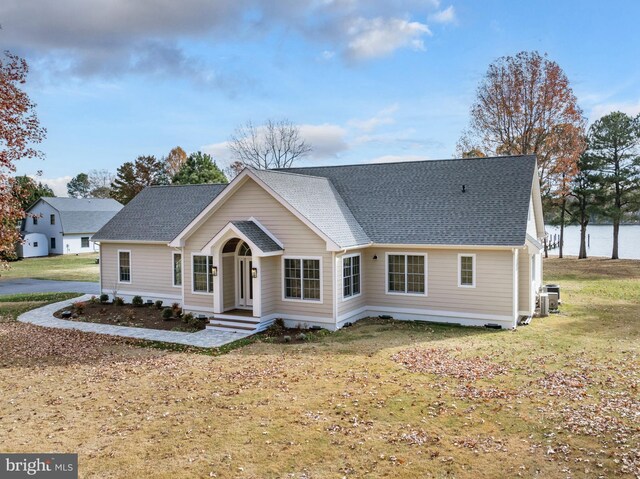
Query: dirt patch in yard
point(144, 316)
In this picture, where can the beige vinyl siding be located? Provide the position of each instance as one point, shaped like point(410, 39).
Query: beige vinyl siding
point(269, 275)
point(250, 200)
point(228, 276)
point(492, 294)
point(524, 281)
point(151, 269)
point(347, 305)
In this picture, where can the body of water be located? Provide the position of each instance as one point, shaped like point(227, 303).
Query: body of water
point(600, 240)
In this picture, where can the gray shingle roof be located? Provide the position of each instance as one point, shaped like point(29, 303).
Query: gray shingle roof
point(159, 213)
point(83, 215)
point(423, 203)
point(318, 201)
point(257, 235)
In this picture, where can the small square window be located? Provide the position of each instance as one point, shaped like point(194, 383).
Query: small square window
point(35, 244)
point(84, 242)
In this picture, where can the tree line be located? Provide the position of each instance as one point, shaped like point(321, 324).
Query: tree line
point(525, 105)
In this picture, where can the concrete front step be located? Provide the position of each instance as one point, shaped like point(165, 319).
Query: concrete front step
point(225, 322)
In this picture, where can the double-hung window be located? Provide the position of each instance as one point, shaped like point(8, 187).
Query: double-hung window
point(467, 270)
point(302, 279)
point(202, 274)
point(124, 266)
point(84, 242)
point(350, 275)
point(52, 219)
point(177, 269)
point(406, 273)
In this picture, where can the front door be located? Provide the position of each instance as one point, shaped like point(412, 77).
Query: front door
point(244, 281)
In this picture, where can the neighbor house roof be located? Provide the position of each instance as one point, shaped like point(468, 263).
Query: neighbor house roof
point(423, 202)
point(257, 236)
point(83, 215)
point(159, 213)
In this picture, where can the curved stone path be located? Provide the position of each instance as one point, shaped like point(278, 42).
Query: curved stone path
point(207, 338)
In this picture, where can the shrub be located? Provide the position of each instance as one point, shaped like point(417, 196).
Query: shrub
point(175, 306)
point(104, 298)
point(187, 318)
point(93, 300)
point(159, 304)
point(137, 301)
point(279, 323)
point(118, 301)
point(79, 306)
point(301, 337)
point(167, 314)
point(287, 339)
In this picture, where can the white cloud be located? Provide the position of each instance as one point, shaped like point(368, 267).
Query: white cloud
point(220, 152)
point(58, 185)
point(448, 15)
point(398, 158)
point(378, 37)
point(383, 117)
point(630, 108)
point(326, 140)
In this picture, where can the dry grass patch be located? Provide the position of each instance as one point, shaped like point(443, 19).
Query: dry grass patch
point(555, 399)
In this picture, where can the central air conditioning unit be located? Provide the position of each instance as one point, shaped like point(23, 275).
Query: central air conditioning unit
point(544, 305)
point(553, 302)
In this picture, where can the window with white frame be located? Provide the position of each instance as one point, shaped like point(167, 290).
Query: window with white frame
point(84, 242)
point(406, 274)
point(177, 269)
point(124, 266)
point(202, 274)
point(351, 275)
point(467, 270)
point(302, 279)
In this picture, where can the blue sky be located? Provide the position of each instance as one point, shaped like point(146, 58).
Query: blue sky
point(366, 80)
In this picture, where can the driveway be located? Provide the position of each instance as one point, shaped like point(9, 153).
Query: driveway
point(28, 285)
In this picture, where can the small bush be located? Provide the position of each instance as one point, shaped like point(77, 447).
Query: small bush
point(187, 318)
point(158, 304)
point(167, 314)
point(287, 339)
point(137, 301)
point(104, 298)
point(279, 323)
point(175, 306)
point(118, 301)
point(79, 306)
point(301, 337)
point(93, 300)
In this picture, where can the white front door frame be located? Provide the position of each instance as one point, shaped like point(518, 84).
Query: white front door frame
point(245, 289)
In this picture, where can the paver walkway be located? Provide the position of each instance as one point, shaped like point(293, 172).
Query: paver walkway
point(207, 338)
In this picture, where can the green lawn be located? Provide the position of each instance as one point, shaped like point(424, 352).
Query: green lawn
point(13, 305)
point(555, 399)
point(80, 267)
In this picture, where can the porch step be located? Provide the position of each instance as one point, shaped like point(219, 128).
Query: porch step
point(227, 322)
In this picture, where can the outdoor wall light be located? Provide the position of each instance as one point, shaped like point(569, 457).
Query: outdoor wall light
point(254, 272)
point(214, 271)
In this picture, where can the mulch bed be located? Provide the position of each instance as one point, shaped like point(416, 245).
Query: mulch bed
point(145, 316)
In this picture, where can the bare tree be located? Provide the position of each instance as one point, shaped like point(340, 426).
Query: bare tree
point(276, 144)
point(100, 183)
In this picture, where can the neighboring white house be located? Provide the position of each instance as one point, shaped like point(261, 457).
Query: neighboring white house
point(32, 245)
point(68, 223)
point(453, 241)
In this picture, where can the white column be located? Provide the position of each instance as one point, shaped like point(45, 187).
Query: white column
point(218, 301)
point(257, 289)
